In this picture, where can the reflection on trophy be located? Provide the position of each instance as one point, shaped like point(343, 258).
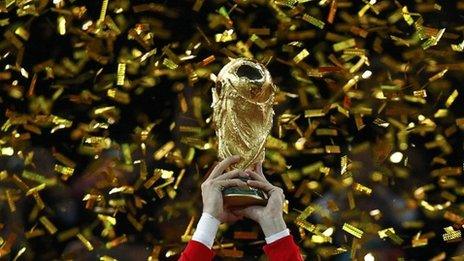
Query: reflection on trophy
point(242, 115)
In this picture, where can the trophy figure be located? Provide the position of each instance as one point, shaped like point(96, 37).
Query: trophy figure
point(242, 117)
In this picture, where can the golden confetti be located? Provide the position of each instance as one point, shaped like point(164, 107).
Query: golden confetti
point(340, 46)
point(438, 75)
point(121, 74)
point(314, 21)
point(36, 189)
point(67, 234)
point(299, 57)
point(116, 112)
point(156, 175)
point(419, 241)
point(11, 201)
point(458, 47)
point(118, 96)
point(306, 225)
point(170, 64)
point(116, 242)
point(161, 152)
point(65, 171)
point(107, 258)
point(451, 234)
point(351, 83)
point(258, 41)
point(20, 252)
point(451, 98)
point(38, 178)
point(84, 241)
point(332, 12)
point(394, 237)
point(407, 16)
point(48, 225)
point(188, 231)
point(197, 5)
point(34, 233)
point(314, 113)
point(103, 11)
point(226, 36)
point(356, 232)
point(362, 189)
point(306, 213)
point(61, 25)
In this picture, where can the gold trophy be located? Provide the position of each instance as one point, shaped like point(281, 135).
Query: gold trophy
point(242, 117)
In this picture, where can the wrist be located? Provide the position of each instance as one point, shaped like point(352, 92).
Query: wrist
point(206, 229)
point(272, 225)
point(211, 212)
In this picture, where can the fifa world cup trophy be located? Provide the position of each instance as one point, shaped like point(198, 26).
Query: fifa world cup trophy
point(242, 115)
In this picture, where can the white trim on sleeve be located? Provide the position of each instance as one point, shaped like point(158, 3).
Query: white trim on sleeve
point(277, 236)
point(206, 230)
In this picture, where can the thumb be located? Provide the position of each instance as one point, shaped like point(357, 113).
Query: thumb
point(259, 168)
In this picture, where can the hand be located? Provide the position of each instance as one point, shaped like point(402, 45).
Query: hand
point(211, 190)
point(269, 217)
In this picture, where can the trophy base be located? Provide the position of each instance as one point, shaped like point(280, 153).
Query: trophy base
point(242, 197)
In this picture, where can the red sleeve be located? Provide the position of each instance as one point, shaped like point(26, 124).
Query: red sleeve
point(196, 251)
point(283, 249)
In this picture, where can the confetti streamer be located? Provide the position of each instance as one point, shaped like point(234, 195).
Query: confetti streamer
point(103, 11)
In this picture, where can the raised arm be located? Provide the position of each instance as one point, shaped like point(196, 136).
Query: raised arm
point(199, 247)
point(279, 243)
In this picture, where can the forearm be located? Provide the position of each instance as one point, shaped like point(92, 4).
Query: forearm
point(272, 225)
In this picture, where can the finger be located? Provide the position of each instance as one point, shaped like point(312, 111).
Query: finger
point(276, 192)
point(229, 217)
point(249, 212)
point(240, 212)
point(256, 176)
point(230, 183)
point(210, 171)
point(266, 187)
point(223, 165)
point(232, 174)
point(259, 168)
point(234, 217)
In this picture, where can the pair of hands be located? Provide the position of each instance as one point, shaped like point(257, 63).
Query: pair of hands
point(270, 217)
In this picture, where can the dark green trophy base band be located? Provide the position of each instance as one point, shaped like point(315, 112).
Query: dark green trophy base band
point(242, 197)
